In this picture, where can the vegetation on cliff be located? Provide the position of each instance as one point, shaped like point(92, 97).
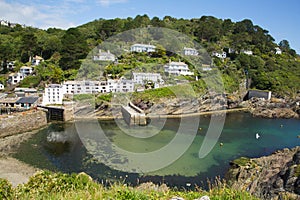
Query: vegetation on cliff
point(64, 50)
point(48, 185)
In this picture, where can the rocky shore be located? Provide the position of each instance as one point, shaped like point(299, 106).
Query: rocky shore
point(273, 108)
point(276, 176)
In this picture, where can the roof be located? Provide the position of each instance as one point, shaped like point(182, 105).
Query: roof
point(177, 63)
point(38, 58)
point(54, 86)
point(30, 100)
point(26, 67)
point(25, 89)
point(144, 45)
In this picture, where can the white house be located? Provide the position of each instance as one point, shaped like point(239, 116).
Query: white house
point(140, 78)
point(81, 87)
point(11, 65)
point(104, 56)
point(26, 70)
point(120, 85)
point(142, 48)
point(190, 51)
point(219, 55)
point(15, 78)
point(178, 68)
point(36, 60)
point(247, 52)
point(1, 86)
point(278, 50)
point(53, 94)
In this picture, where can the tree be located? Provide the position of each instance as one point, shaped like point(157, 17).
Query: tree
point(74, 48)
point(29, 43)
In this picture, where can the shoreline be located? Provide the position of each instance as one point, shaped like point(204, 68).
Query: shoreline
point(12, 169)
point(174, 116)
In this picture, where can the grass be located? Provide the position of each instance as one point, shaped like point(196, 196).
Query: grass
point(48, 185)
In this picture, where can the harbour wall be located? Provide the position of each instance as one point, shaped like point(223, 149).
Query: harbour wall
point(22, 122)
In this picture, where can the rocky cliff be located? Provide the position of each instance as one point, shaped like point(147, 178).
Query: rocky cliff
point(276, 176)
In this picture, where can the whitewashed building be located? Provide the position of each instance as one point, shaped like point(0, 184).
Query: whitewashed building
point(53, 94)
point(219, 55)
point(120, 85)
point(178, 68)
point(104, 56)
point(25, 70)
point(81, 87)
point(36, 60)
point(247, 52)
point(278, 51)
point(190, 51)
point(142, 48)
point(15, 78)
point(140, 78)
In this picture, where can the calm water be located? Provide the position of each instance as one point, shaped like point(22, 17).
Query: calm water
point(60, 148)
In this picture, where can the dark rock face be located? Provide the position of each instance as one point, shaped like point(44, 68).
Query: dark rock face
point(270, 177)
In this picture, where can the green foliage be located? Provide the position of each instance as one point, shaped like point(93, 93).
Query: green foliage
point(45, 182)
point(30, 81)
point(74, 48)
point(6, 190)
point(104, 97)
point(48, 185)
point(243, 161)
point(66, 49)
point(81, 97)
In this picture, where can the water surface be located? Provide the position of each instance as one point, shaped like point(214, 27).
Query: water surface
point(59, 147)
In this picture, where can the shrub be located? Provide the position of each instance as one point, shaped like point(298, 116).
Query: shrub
point(6, 191)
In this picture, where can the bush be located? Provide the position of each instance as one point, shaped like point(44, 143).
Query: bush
point(6, 191)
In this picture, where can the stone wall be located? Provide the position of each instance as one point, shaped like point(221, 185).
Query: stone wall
point(22, 122)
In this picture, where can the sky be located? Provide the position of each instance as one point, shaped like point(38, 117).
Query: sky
point(280, 18)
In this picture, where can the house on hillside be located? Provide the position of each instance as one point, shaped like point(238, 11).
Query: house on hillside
point(11, 65)
point(15, 78)
point(26, 71)
point(190, 51)
point(142, 48)
point(247, 52)
point(36, 60)
point(141, 78)
point(104, 56)
point(219, 55)
point(178, 68)
point(278, 50)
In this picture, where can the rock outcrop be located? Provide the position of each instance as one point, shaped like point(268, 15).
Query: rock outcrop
point(274, 108)
point(270, 177)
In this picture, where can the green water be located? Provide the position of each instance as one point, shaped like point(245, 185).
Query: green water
point(74, 153)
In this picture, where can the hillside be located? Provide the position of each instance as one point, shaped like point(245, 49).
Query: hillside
point(251, 51)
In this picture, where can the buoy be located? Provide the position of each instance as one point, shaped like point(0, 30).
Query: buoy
point(200, 129)
point(281, 125)
point(221, 144)
point(257, 136)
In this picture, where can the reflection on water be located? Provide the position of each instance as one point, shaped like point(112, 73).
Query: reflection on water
point(59, 147)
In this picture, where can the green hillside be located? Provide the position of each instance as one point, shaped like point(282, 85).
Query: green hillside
point(64, 50)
